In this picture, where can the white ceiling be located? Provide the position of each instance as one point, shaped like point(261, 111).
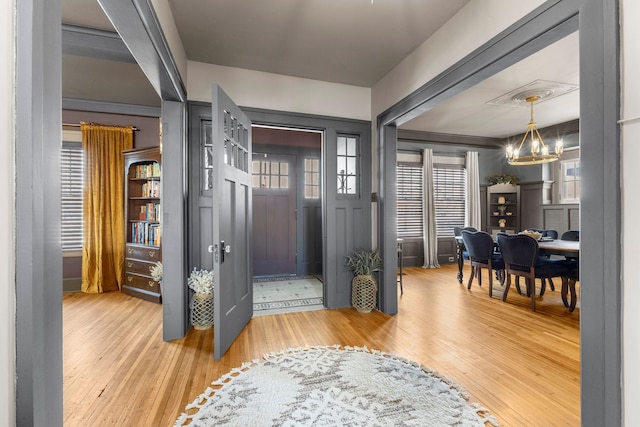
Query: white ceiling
point(353, 42)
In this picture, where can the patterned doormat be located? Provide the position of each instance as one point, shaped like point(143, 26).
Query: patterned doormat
point(286, 295)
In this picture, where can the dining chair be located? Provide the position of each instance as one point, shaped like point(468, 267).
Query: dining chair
point(457, 231)
point(572, 235)
point(480, 246)
point(549, 234)
point(520, 255)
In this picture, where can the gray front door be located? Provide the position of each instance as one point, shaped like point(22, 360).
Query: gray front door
point(232, 221)
point(274, 214)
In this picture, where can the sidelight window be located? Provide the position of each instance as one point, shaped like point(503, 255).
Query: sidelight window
point(347, 165)
point(311, 178)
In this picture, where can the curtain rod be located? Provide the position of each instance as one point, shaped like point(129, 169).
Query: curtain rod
point(77, 125)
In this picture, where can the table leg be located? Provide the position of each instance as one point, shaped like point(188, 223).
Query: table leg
point(574, 296)
point(565, 289)
point(460, 262)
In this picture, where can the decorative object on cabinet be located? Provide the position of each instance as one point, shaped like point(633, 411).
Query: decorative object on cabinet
point(364, 289)
point(503, 208)
point(143, 223)
point(502, 178)
point(156, 272)
point(201, 282)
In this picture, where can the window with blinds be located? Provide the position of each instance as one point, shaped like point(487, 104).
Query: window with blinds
point(71, 177)
point(450, 196)
point(410, 193)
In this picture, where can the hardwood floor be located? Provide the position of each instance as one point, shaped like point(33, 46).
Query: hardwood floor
point(523, 366)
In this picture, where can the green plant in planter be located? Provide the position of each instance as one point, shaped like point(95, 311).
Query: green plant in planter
point(364, 289)
point(502, 178)
point(364, 262)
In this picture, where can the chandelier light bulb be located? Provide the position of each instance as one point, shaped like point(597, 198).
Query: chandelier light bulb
point(535, 146)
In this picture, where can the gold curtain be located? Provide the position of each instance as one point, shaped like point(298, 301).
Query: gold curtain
point(103, 251)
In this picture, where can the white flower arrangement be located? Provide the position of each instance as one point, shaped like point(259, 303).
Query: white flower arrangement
point(201, 281)
point(156, 272)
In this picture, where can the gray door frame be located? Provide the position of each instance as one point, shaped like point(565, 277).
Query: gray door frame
point(354, 233)
point(346, 221)
point(600, 324)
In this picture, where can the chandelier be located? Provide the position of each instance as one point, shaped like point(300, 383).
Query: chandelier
point(539, 150)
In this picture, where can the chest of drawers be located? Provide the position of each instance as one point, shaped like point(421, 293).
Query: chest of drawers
point(137, 278)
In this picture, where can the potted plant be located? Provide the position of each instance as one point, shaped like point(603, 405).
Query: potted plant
point(364, 289)
point(502, 178)
point(201, 282)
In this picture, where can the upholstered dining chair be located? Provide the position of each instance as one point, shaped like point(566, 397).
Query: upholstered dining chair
point(457, 231)
point(572, 235)
point(480, 246)
point(549, 234)
point(520, 255)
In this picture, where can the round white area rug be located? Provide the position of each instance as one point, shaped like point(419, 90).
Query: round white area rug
point(333, 386)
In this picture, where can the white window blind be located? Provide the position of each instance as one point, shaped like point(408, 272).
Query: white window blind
point(450, 197)
point(72, 182)
point(410, 194)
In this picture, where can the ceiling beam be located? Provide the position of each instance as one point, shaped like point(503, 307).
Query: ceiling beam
point(89, 42)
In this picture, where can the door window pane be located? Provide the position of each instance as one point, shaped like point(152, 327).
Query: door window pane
point(311, 178)
point(347, 165)
point(269, 174)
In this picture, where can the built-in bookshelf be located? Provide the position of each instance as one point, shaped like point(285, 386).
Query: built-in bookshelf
point(503, 209)
point(143, 214)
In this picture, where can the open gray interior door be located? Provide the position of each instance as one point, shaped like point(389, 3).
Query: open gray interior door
point(232, 221)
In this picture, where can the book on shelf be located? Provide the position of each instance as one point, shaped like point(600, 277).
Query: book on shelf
point(151, 189)
point(150, 170)
point(145, 233)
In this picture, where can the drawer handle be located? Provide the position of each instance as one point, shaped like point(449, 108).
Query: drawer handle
point(151, 283)
point(129, 264)
point(152, 254)
point(130, 250)
point(129, 279)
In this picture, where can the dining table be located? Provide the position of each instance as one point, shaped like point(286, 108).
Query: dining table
point(560, 247)
point(566, 248)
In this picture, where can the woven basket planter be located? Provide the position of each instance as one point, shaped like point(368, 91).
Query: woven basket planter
point(363, 293)
point(202, 311)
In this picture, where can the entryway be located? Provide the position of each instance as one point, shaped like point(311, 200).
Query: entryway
point(287, 219)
